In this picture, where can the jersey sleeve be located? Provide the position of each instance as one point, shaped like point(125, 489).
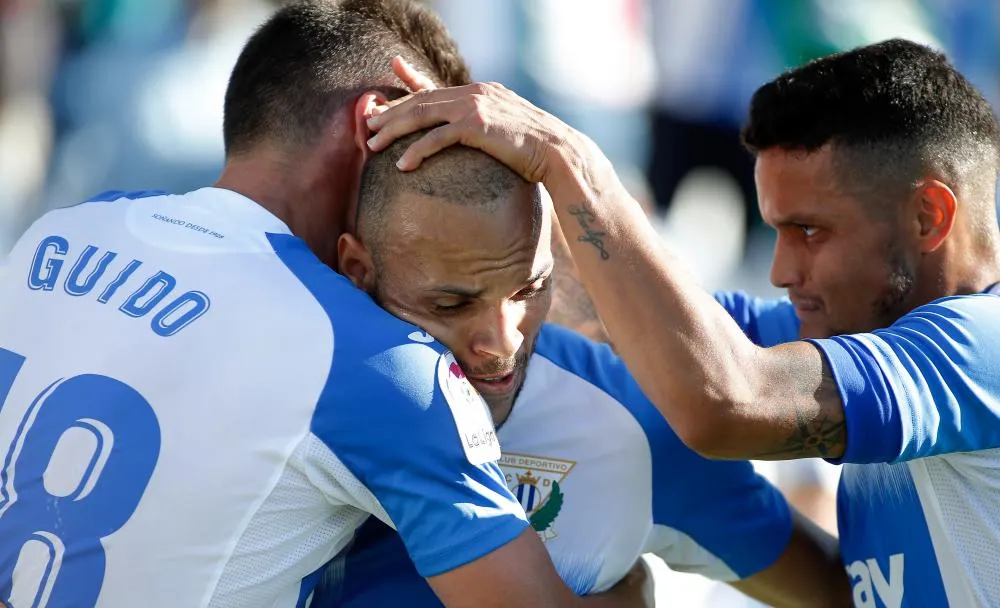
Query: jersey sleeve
point(765, 322)
point(926, 386)
point(400, 416)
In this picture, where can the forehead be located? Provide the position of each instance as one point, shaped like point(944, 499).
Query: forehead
point(795, 187)
point(435, 240)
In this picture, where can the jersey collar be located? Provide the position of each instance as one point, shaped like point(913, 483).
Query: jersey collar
point(242, 210)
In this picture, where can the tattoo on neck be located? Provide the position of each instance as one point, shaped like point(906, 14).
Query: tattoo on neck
point(595, 237)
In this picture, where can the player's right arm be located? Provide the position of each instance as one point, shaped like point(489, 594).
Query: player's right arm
point(572, 306)
point(521, 574)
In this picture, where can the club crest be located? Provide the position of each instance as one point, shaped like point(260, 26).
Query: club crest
point(535, 481)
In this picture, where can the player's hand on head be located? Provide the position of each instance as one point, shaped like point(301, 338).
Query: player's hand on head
point(486, 116)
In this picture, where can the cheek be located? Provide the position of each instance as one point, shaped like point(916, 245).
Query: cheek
point(848, 276)
point(450, 334)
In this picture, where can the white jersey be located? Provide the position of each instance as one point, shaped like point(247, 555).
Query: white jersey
point(604, 480)
point(195, 411)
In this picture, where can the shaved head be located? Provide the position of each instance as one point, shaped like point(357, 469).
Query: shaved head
point(457, 175)
point(459, 247)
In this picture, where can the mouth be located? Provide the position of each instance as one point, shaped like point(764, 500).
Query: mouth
point(806, 305)
point(495, 384)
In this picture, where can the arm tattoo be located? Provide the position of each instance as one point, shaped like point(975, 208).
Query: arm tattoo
point(571, 304)
point(585, 218)
point(820, 429)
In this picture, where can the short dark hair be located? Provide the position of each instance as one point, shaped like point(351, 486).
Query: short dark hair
point(891, 111)
point(313, 56)
point(458, 175)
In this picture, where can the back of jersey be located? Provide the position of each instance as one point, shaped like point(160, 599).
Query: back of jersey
point(146, 412)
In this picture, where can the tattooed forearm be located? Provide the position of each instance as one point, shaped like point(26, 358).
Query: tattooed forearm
point(572, 306)
point(586, 219)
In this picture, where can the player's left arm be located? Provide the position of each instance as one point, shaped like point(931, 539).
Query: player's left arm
point(809, 572)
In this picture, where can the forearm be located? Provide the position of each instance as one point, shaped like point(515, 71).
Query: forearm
point(685, 351)
point(572, 306)
point(808, 574)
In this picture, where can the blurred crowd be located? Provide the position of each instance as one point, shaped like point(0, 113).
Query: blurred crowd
point(127, 94)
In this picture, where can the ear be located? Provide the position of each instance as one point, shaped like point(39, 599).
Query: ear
point(355, 262)
point(936, 210)
point(364, 107)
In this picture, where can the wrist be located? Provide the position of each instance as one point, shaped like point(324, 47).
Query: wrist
point(577, 171)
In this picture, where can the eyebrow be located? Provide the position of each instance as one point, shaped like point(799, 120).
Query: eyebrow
point(797, 219)
point(464, 292)
point(547, 269)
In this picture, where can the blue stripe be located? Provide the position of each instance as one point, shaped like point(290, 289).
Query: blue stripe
point(114, 195)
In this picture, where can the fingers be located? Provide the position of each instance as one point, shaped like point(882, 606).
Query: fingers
point(410, 76)
point(460, 94)
point(421, 112)
point(436, 140)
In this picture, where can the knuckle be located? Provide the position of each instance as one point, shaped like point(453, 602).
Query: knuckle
point(478, 103)
point(477, 120)
point(419, 110)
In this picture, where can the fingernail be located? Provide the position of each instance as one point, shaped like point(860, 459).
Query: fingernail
point(399, 163)
point(371, 122)
point(372, 141)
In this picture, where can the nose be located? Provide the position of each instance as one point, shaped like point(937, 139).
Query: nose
point(785, 269)
point(499, 335)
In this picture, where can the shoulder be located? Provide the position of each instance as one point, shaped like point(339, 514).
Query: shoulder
point(976, 313)
point(362, 329)
point(111, 196)
point(588, 360)
point(387, 378)
point(598, 366)
point(954, 331)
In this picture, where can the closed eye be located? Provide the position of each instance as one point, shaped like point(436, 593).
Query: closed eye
point(535, 289)
point(446, 309)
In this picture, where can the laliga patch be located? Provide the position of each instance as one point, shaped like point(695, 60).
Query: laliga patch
point(471, 414)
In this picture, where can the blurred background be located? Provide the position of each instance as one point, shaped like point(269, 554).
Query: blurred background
point(127, 94)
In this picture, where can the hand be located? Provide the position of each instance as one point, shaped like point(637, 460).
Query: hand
point(411, 77)
point(484, 116)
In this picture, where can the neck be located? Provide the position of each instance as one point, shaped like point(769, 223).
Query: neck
point(969, 271)
point(500, 413)
point(978, 275)
point(308, 199)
